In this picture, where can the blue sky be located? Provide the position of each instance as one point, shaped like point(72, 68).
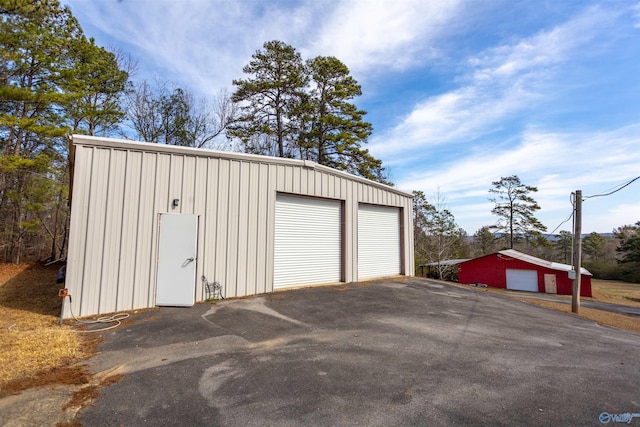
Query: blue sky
point(460, 93)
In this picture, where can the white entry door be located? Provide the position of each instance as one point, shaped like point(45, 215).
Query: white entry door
point(177, 253)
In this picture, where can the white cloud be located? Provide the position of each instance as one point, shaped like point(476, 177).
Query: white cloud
point(635, 12)
point(206, 43)
point(202, 44)
point(557, 164)
point(367, 34)
point(500, 83)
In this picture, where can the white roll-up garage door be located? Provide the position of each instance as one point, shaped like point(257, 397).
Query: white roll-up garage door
point(522, 280)
point(378, 241)
point(308, 241)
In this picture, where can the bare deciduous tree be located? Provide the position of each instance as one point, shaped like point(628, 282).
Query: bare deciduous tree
point(164, 114)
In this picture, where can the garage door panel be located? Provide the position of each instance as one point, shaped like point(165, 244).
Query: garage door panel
point(379, 251)
point(522, 280)
point(308, 241)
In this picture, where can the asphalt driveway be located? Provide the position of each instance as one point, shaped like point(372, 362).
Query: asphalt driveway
point(396, 352)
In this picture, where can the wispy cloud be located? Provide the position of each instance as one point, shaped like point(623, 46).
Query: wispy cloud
point(635, 12)
point(499, 83)
point(205, 43)
point(369, 34)
point(208, 42)
point(541, 90)
point(556, 163)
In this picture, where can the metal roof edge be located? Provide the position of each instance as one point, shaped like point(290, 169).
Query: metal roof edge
point(98, 141)
point(446, 262)
point(541, 262)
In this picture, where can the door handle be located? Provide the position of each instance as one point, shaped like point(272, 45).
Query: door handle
point(187, 261)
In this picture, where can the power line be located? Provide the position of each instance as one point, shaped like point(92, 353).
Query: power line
point(554, 230)
point(620, 187)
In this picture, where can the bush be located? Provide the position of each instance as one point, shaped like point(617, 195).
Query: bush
point(604, 269)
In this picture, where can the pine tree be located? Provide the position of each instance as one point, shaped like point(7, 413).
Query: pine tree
point(53, 81)
point(338, 129)
point(304, 110)
point(515, 208)
point(270, 97)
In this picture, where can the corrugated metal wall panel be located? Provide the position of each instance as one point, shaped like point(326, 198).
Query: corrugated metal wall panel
point(210, 215)
point(251, 207)
point(176, 175)
point(349, 231)
point(113, 230)
point(244, 235)
point(200, 181)
point(308, 241)
point(232, 226)
point(263, 278)
point(317, 184)
point(90, 296)
point(222, 215)
point(143, 284)
point(187, 190)
point(234, 197)
point(288, 178)
point(128, 242)
point(162, 203)
point(304, 181)
point(78, 230)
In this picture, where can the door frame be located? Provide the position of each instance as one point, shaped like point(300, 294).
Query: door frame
point(177, 298)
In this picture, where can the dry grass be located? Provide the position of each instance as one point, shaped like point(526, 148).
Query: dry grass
point(622, 293)
point(35, 349)
point(607, 318)
point(609, 291)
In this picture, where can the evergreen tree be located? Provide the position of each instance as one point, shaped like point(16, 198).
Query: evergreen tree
point(93, 87)
point(305, 110)
point(36, 41)
point(53, 81)
point(270, 99)
point(484, 241)
point(515, 209)
point(593, 244)
point(629, 249)
point(563, 245)
point(338, 129)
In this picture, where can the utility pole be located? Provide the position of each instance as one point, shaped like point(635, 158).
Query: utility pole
point(577, 252)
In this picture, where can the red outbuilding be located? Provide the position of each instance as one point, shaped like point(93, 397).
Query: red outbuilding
point(511, 269)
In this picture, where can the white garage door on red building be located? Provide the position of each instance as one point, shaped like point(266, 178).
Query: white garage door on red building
point(308, 241)
point(379, 249)
point(522, 280)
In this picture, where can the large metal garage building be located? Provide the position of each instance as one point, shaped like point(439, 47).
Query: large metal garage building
point(148, 220)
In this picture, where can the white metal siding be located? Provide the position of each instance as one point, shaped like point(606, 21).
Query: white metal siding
point(379, 250)
point(307, 246)
point(121, 188)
